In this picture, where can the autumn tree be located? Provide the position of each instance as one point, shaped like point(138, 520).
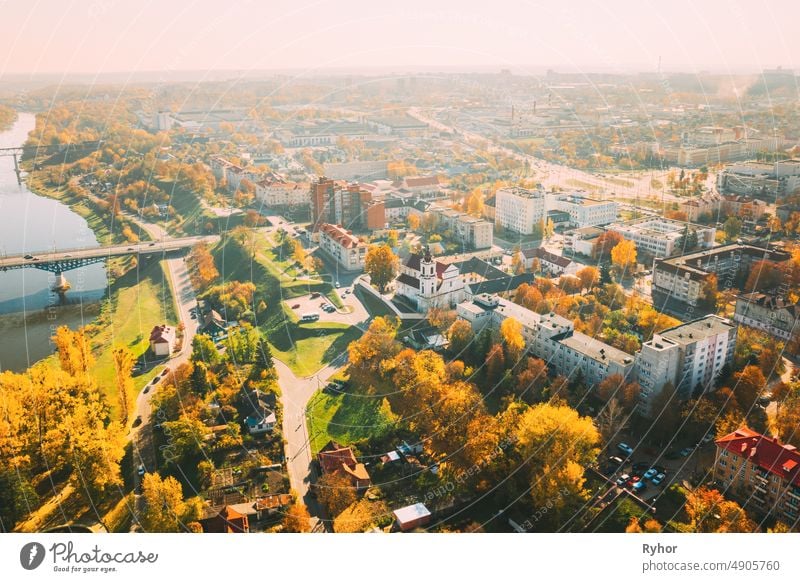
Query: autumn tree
point(368, 352)
point(460, 335)
point(297, 519)
point(605, 243)
point(204, 350)
point(589, 277)
point(381, 265)
point(555, 443)
point(611, 420)
point(623, 257)
point(413, 222)
point(123, 366)
point(202, 267)
point(495, 364)
point(748, 384)
point(531, 380)
point(709, 512)
point(165, 509)
point(74, 351)
point(511, 333)
point(787, 421)
point(732, 228)
point(335, 492)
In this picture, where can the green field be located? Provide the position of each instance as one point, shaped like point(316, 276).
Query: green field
point(304, 348)
point(346, 418)
point(140, 299)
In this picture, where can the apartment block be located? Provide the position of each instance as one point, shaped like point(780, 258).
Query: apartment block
point(520, 210)
point(761, 472)
point(682, 278)
point(343, 246)
point(768, 312)
point(689, 356)
point(584, 211)
point(660, 237)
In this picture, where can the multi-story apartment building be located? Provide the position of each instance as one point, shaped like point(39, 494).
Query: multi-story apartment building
point(660, 237)
point(276, 192)
point(472, 232)
point(580, 241)
point(520, 210)
point(744, 207)
point(343, 246)
point(552, 338)
point(584, 211)
point(770, 313)
point(764, 180)
point(682, 278)
point(689, 356)
point(335, 202)
point(762, 472)
point(696, 207)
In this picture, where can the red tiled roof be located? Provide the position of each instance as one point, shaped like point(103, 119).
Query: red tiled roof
point(424, 181)
point(766, 452)
point(334, 455)
point(340, 235)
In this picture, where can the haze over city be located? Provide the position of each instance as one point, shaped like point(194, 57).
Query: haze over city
point(51, 36)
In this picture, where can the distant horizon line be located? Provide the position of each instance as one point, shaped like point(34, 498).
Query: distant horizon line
point(399, 70)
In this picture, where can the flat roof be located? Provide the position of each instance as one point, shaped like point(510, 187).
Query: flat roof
point(411, 513)
point(697, 329)
point(595, 349)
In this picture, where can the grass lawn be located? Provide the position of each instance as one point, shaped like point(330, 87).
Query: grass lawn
point(305, 348)
point(140, 299)
point(346, 418)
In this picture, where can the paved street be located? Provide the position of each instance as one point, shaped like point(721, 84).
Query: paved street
point(295, 394)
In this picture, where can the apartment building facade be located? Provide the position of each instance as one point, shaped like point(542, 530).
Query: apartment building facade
point(661, 237)
point(340, 244)
point(689, 356)
point(520, 210)
point(583, 210)
point(762, 472)
point(768, 312)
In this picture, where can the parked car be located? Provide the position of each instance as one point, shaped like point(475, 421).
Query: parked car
point(623, 479)
point(639, 486)
point(641, 466)
point(686, 451)
point(28, 257)
point(625, 448)
point(137, 422)
point(708, 438)
point(658, 479)
point(649, 474)
point(314, 295)
point(296, 306)
point(147, 389)
point(615, 460)
point(140, 470)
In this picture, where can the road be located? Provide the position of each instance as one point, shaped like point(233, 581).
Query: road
point(41, 260)
point(295, 394)
point(185, 299)
point(629, 185)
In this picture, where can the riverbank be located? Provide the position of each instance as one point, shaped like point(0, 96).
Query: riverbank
point(105, 233)
point(39, 326)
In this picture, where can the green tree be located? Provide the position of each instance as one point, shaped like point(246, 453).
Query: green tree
point(123, 366)
point(732, 228)
point(204, 350)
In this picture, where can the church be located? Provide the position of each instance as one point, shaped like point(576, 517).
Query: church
point(429, 283)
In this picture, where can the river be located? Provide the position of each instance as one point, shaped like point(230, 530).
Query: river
point(29, 310)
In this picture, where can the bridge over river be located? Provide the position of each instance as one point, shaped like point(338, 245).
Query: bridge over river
point(59, 262)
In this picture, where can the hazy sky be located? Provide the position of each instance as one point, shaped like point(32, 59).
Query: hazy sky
point(96, 36)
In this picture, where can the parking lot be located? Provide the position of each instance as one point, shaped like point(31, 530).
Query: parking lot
point(352, 312)
point(656, 472)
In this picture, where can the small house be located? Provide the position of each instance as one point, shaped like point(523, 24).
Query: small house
point(162, 340)
point(335, 457)
point(261, 421)
point(412, 516)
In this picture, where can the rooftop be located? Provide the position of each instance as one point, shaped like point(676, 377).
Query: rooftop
point(767, 452)
point(698, 329)
point(595, 349)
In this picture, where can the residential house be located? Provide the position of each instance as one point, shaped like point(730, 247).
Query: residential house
point(551, 263)
point(768, 312)
point(761, 471)
point(344, 247)
point(162, 340)
point(335, 458)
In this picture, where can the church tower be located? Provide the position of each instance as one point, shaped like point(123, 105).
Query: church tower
point(427, 275)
